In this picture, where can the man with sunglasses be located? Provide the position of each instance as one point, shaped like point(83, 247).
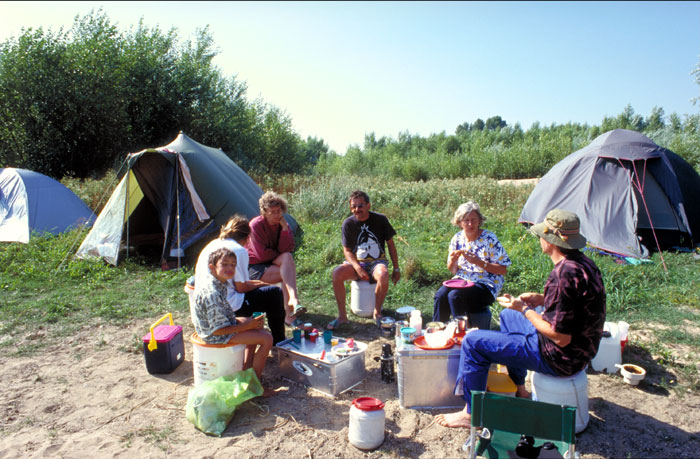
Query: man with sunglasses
point(365, 236)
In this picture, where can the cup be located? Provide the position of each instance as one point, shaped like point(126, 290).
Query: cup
point(327, 336)
point(334, 341)
point(312, 336)
point(296, 334)
point(462, 324)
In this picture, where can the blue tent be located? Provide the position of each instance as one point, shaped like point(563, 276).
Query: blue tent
point(34, 203)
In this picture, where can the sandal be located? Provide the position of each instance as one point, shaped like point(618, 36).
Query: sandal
point(335, 324)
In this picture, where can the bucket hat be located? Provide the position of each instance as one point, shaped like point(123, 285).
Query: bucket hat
point(561, 228)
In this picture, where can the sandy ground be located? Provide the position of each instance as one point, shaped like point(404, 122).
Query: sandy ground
point(89, 395)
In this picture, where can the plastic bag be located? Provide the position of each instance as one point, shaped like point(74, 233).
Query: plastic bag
point(210, 405)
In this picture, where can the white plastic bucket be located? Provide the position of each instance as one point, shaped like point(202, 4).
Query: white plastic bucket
point(211, 361)
point(609, 351)
point(564, 390)
point(362, 298)
point(366, 423)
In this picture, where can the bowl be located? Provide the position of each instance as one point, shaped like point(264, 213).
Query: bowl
point(434, 337)
point(632, 374)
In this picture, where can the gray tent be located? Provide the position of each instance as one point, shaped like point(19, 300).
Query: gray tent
point(170, 200)
point(629, 193)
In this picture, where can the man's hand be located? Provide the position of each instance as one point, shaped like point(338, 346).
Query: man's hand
point(532, 299)
point(361, 273)
point(510, 302)
point(396, 275)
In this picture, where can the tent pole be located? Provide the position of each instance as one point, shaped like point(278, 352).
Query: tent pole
point(126, 211)
point(177, 204)
point(640, 188)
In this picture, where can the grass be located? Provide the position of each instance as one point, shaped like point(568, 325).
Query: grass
point(46, 293)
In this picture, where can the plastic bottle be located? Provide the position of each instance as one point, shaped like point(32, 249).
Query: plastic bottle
point(366, 423)
point(416, 322)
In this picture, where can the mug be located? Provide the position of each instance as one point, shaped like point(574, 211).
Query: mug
point(327, 336)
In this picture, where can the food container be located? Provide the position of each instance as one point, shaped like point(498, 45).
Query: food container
point(404, 312)
point(435, 337)
point(163, 347)
point(399, 325)
point(387, 325)
point(332, 375)
point(426, 378)
point(367, 419)
point(408, 334)
point(437, 325)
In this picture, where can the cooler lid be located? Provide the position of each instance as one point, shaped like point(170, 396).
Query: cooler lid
point(163, 333)
point(368, 404)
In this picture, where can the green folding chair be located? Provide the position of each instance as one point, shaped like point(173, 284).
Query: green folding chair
point(505, 419)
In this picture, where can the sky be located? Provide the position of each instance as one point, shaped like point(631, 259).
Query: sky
point(341, 70)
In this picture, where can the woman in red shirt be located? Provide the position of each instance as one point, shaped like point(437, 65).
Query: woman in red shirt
point(270, 249)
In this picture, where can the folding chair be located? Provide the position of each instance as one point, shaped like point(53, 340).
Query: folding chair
point(505, 419)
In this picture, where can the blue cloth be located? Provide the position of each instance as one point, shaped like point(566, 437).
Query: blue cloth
point(472, 302)
point(516, 346)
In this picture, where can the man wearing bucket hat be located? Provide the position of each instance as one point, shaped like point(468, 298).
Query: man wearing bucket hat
point(560, 341)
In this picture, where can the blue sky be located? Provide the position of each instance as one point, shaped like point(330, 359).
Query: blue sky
point(344, 69)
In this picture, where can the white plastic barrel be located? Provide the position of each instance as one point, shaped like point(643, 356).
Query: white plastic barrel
point(211, 361)
point(566, 390)
point(366, 423)
point(362, 298)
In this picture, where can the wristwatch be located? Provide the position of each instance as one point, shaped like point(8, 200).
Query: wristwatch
point(527, 308)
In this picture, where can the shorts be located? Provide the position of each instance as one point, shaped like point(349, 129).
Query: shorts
point(256, 271)
point(370, 266)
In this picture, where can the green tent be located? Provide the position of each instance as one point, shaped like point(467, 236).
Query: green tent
point(171, 199)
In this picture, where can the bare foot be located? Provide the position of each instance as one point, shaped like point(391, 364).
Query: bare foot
point(458, 419)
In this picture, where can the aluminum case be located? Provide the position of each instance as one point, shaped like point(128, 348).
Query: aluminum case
point(426, 379)
point(301, 363)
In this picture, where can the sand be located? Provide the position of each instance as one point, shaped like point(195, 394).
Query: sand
point(89, 395)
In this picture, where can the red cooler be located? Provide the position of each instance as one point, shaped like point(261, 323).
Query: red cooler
point(163, 347)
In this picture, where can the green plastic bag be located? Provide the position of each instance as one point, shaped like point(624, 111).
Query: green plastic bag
point(210, 405)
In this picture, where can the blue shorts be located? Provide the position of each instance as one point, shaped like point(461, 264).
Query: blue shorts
point(370, 266)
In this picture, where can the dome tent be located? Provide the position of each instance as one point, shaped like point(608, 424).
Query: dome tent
point(629, 193)
point(31, 202)
point(170, 199)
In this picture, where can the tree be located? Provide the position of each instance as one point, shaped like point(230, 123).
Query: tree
point(462, 129)
point(75, 102)
point(655, 121)
point(478, 125)
point(495, 122)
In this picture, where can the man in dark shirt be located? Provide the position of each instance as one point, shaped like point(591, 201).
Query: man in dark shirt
point(365, 234)
point(561, 341)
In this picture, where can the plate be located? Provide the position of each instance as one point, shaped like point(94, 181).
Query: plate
point(420, 342)
point(458, 283)
point(341, 350)
point(405, 310)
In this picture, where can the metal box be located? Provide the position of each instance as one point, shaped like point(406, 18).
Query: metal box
point(301, 363)
point(426, 379)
